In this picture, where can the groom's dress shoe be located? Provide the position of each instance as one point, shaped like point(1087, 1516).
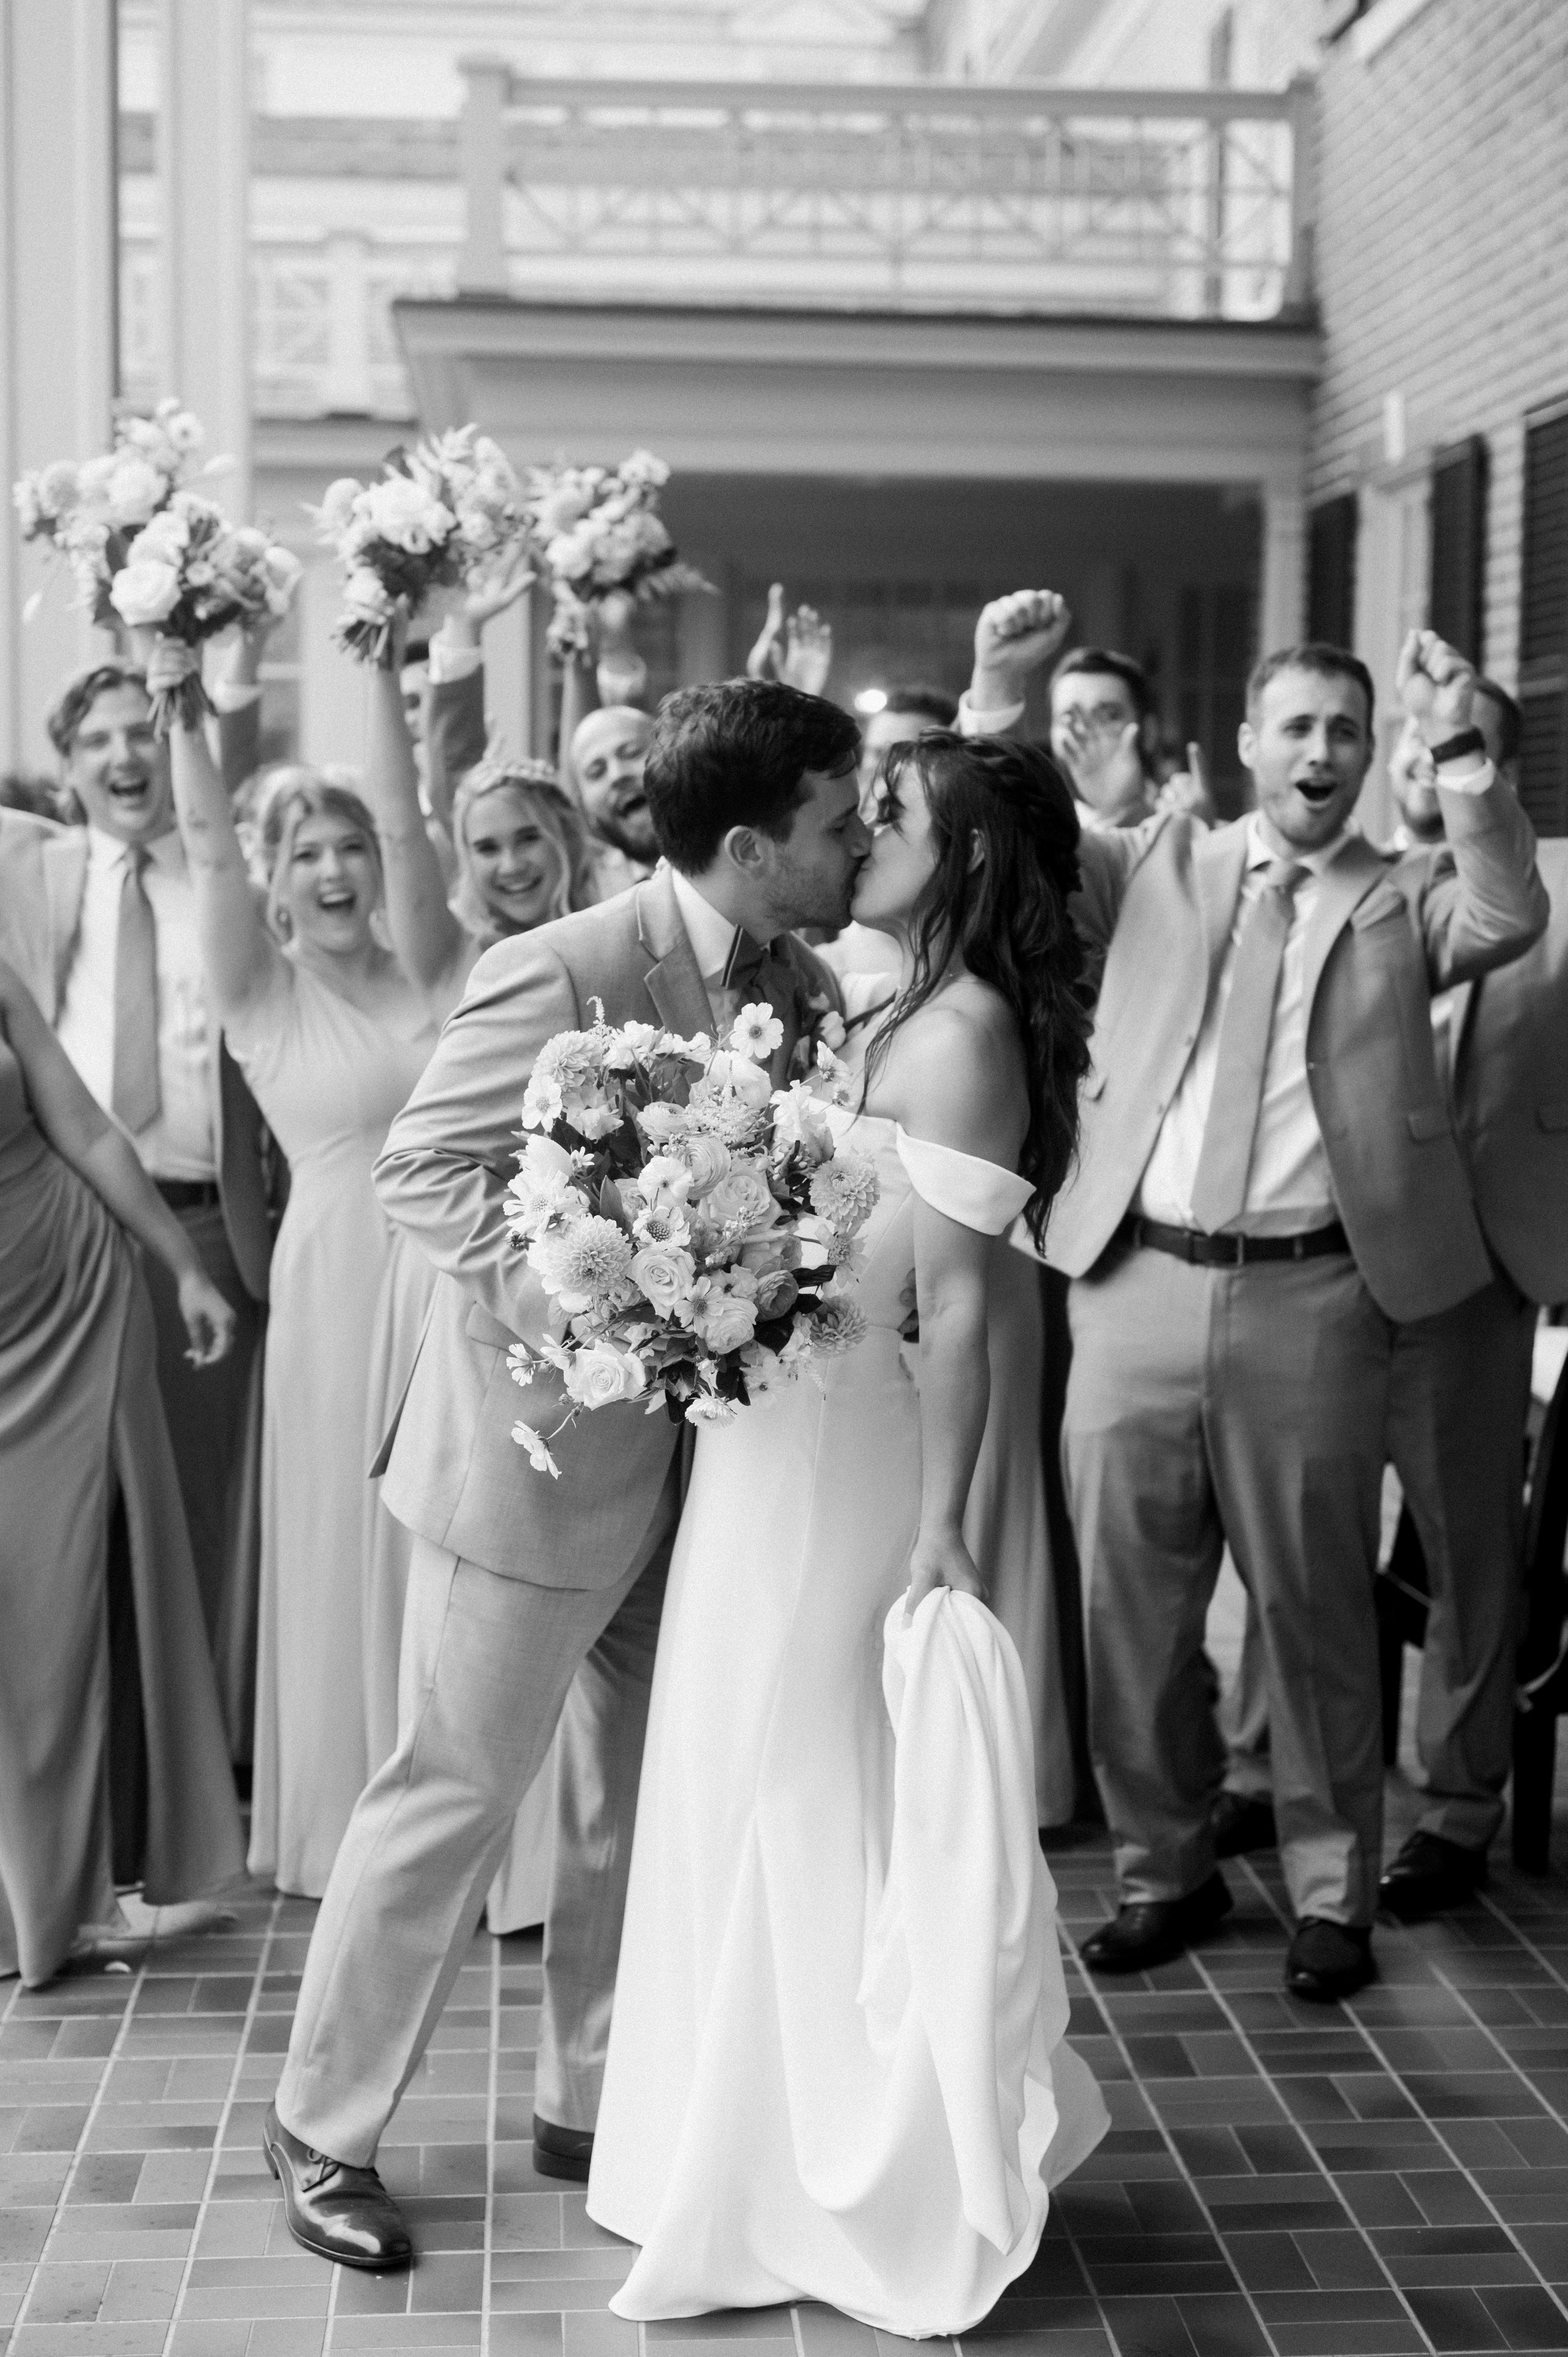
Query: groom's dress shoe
point(562, 2152)
point(1329, 1961)
point(341, 2213)
point(1153, 1931)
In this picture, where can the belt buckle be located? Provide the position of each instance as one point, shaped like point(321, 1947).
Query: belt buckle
point(1240, 1259)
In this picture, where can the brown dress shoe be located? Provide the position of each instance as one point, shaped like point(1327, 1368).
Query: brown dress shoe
point(341, 2213)
point(1152, 1931)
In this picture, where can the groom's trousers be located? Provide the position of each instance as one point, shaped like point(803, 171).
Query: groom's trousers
point(489, 1667)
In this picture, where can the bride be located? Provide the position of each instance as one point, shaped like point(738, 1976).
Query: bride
point(837, 2068)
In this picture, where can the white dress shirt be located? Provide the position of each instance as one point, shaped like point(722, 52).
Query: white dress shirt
point(711, 936)
point(180, 1142)
point(1289, 1189)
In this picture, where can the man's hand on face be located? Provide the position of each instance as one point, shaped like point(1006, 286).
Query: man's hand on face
point(1013, 637)
point(1436, 684)
point(1105, 763)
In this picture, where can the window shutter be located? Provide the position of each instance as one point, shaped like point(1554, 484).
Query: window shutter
point(1456, 587)
point(1543, 621)
point(1331, 573)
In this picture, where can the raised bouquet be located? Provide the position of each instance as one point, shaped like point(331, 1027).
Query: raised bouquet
point(693, 1227)
point(448, 512)
point(88, 511)
point(190, 574)
point(599, 536)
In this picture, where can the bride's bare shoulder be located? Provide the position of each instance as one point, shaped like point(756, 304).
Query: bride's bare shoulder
point(955, 1073)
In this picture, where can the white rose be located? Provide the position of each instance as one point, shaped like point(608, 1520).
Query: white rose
point(741, 1195)
point(660, 1122)
point(164, 541)
point(601, 1374)
point(737, 1076)
point(664, 1273)
point(134, 489)
point(364, 594)
point(339, 504)
point(723, 1318)
point(145, 593)
point(707, 1160)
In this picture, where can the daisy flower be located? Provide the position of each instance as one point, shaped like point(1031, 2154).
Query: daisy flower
point(757, 1032)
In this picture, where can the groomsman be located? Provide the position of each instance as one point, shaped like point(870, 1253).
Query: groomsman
point(1459, 1388)
point(605, 760)
point(101, 921)
point(1268, 1186)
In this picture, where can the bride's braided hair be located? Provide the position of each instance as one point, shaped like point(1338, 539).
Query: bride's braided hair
point(1005, 915)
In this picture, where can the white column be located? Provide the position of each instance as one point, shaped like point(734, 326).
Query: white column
point(58, 263)
point(204, 171)
point(1282, 616)
point(347, 387)
point(509, 679)
point(481, 269)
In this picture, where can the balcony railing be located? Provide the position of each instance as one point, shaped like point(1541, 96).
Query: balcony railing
point(1025, 197)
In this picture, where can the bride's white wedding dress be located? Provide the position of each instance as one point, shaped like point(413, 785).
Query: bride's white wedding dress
point(837, 2068)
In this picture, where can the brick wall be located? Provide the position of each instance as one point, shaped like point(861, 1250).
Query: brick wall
point(1443, 252)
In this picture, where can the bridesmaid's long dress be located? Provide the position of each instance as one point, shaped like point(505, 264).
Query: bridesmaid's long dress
point(329, 1078)
point(79, 1417)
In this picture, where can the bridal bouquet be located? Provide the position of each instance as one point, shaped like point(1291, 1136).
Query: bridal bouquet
point(693, 1227)
point(88, 511)
point(191, 573)
point(600, 536)
point(448, 512)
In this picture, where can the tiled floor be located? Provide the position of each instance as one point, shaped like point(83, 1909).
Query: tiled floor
point(1391, 2176)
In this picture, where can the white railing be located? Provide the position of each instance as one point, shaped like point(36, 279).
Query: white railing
point(1171, 203)
point(1023, 198)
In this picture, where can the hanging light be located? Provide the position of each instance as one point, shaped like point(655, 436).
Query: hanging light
point(870, 700)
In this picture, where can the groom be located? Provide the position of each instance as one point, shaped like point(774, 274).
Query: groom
point(518, 1585)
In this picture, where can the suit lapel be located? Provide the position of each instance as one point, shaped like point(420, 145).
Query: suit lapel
point(1346, 882)
point(65, 880)
point(674, 981)
point(1218, 862)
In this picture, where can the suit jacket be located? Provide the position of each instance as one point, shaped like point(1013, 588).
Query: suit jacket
point(453, 1471)
point(43, 875)
point(1384, 933)
point(1511, 1098)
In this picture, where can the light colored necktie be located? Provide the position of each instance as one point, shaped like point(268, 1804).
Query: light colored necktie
point(1219, 1187)
point(137, 1098)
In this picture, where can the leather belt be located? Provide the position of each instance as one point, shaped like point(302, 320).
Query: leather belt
point(1231, 1252)
point(189, 1194)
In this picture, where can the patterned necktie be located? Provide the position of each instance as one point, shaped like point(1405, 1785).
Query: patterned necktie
point(136, 1098)
point(755, 970)
point(1219, 1187)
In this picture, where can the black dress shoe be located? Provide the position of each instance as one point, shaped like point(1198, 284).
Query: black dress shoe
point(341, 2213)
point(562, 2152)
point(1329, 1961)
point(1429, 1876)
point(1242, 1822)
point(1153, 1931)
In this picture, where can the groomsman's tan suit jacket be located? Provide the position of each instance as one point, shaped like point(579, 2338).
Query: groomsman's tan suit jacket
point(1511, 1098)
point(454, 1474)
point(1386, 932)
point(43, 875)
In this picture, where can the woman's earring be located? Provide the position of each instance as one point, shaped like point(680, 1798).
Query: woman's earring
point(283, 923)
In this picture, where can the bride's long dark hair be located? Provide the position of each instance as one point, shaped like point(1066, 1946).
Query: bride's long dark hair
point(1005, 913)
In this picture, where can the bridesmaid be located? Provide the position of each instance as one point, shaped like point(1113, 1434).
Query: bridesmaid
point(331, 1036)
point(81, 1422)
point(522, 857)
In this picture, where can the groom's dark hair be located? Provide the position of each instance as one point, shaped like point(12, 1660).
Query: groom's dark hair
point(732, 754)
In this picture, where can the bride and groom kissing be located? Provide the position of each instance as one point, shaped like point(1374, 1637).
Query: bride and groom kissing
point(835, 2068)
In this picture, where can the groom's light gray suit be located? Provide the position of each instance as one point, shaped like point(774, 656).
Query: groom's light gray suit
point(518, 1584)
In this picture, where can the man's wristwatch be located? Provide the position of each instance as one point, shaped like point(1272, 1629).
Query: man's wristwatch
point(1454, 749)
